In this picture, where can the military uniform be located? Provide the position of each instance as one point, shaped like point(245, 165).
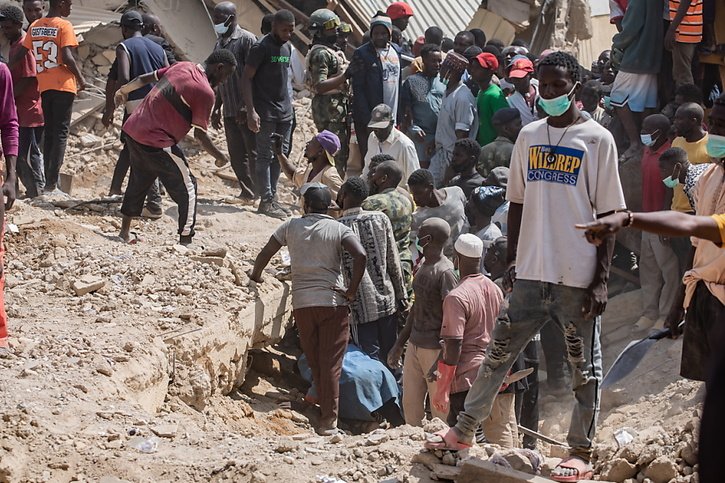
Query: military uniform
point(329, 110)
point(398, 207)
point(495, 154)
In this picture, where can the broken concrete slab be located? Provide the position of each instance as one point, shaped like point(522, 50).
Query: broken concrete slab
point(194, 44)
point(87, 284)
point(475, 471)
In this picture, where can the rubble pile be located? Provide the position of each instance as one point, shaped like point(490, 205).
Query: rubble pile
point(668, 456)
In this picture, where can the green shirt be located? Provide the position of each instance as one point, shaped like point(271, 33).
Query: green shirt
point(488, 102)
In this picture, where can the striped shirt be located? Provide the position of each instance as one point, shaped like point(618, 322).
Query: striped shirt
point(690, 29)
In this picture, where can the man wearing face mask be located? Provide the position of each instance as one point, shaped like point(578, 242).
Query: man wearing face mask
point(680, 176)
point(385, 138)
point(378, 79)
point(182, 98)
point(240, 139)
point(563, 168)
point(326, 78)
point(659, 270)
point(432, 282)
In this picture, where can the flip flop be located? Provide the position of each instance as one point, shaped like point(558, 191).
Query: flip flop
point(583, 470)
point(445, 439)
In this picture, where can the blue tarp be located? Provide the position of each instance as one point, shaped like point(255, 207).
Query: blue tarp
point(365, 384)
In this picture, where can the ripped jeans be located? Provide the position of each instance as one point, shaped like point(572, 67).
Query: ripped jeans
point(531, 305)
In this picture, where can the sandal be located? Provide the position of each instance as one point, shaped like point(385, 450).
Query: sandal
point(446, 439)
point(572, 469)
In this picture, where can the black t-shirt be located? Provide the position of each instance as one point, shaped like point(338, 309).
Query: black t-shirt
point(271, 81)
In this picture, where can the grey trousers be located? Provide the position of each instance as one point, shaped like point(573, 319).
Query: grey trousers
point(531, 305)
point(659, 276)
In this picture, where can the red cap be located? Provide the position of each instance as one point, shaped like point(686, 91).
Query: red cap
point(520, 68)
point(487, 60)
point(398, 10)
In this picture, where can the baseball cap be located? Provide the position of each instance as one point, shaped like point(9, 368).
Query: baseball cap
point(398, 10)
point(330, 143)
point(317, 195)
point(499, 176)
point(505, 115)
point(131, 19)
point(381, 117)
point(487, 60)
point(469, 245)
point(520, 68)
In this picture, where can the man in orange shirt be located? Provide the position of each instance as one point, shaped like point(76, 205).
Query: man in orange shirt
point(683, 35)
point(52, 41)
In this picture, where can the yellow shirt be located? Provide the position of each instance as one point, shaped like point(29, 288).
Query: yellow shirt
point(696, 152)
point(720, 220)
point(679, 200)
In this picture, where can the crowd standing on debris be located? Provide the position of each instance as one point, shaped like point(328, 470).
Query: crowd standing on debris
point(439, 198)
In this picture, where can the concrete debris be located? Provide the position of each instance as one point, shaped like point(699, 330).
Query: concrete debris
point(87, 284)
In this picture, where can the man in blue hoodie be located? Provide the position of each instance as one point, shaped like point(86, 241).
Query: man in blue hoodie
point(638, 50)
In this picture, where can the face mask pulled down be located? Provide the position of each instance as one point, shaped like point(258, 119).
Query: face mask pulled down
point(559, 105)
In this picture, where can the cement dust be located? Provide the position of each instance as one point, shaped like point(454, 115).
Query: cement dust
point(159, 355)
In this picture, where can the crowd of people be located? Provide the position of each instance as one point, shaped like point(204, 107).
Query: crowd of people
point(439, 197)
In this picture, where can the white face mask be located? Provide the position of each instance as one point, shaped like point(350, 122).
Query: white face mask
point(222, 28)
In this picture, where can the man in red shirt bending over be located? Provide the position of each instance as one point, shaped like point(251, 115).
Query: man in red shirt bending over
point(182, 98)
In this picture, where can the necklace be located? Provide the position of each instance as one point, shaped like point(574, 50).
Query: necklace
point(551, 157)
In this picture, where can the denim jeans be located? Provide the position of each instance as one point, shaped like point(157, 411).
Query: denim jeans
point(267, 166)
point(30, 160)
point(242, 154)
point(57, 110)
point(533, 304)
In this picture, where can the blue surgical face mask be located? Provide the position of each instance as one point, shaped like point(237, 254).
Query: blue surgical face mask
point(716, 146)
point(671, 182)
point(221, 28)
point(559, 105)
point(648, 139)
point(419, 242)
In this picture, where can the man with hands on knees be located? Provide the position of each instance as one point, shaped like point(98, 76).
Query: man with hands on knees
point(182, 98)
point(319, 299)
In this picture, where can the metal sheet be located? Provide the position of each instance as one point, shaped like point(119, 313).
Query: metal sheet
point(450, 15)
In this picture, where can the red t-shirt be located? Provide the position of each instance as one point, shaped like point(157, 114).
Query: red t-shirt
point(30, 112)
point(653, 190)
point(181, 99)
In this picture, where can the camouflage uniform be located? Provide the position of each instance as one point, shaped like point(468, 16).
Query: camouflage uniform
point(329, 110)
point(497, 153)
point(398, 207)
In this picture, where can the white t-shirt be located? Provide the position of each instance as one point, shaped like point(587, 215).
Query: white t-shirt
point(581, 182)
point(391, 77)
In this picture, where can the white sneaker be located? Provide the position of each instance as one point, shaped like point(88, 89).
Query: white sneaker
point(644, 323)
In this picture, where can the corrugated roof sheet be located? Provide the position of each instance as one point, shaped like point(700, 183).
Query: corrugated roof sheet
point(450, 15)
point(85, 18)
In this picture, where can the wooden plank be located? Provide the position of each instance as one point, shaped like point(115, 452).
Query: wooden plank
point(475, 471)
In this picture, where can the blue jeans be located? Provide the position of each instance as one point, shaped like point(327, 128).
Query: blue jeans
point(533, 304)
point(30, 161)
point(267, 167)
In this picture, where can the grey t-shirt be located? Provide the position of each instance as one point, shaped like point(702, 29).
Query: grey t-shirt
point(452, 210)
point(315, 248)
point(431, 284)
point(391, 77)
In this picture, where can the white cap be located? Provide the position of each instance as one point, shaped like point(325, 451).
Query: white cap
point(469, 245)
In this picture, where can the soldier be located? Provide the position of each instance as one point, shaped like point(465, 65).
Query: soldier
point(327, 80)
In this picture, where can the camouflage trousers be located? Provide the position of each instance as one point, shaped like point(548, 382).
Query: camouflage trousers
point(330, 112)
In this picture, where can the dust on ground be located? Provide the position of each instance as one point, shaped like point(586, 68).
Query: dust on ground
point(140, 379)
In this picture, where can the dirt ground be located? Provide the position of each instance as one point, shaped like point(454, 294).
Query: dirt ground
point(124, 383)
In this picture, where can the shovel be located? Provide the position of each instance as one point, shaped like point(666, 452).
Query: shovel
point(628, 359)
